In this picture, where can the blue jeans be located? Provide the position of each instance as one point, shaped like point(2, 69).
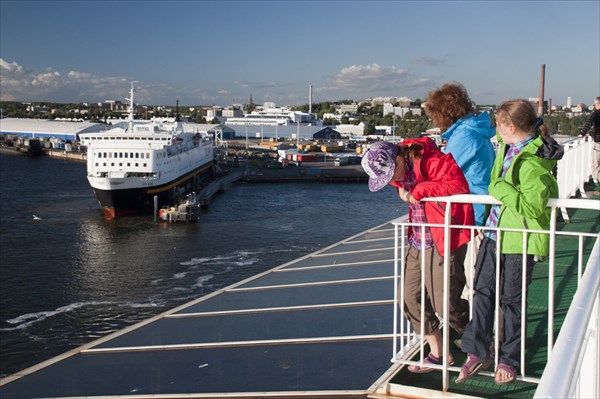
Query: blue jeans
point(478, 333)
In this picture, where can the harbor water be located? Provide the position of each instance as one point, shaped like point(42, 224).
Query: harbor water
point(68, 276)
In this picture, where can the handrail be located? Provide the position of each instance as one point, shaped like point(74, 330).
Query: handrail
point(560, 372)
point(408, 349)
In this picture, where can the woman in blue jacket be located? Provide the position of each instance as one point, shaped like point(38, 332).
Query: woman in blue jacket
point(468, 136)
point(469, 141)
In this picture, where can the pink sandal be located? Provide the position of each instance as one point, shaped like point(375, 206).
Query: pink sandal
point(472, 367)
point(430, 359)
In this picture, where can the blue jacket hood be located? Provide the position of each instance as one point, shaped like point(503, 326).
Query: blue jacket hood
point(469, 142)
point(480, 124)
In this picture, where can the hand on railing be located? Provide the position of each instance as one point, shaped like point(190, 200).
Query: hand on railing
point(406, 197)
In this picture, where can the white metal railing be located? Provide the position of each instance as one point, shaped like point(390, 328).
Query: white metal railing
point(411, 343)
point(575, 168)
point(573, 369)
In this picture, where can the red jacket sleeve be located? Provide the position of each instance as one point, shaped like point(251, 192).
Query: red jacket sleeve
point(440, 176)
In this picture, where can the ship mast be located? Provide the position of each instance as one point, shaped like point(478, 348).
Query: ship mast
point(130, 117)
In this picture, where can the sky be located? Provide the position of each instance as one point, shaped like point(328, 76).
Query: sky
point(223, 52)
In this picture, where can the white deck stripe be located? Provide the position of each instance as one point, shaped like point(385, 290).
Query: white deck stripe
point(279, 309)
point(270, 287)
point(294, 341)
point(362, 263)
point(323, 255)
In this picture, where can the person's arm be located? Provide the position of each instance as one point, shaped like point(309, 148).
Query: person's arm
point(531, 198)
point(445, 178)
point(588, 124)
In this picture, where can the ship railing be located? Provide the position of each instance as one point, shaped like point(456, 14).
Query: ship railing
point(575, 168)
point(407, 344)
point(573, 369)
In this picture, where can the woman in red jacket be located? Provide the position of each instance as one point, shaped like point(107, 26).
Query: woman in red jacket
point(418, 169)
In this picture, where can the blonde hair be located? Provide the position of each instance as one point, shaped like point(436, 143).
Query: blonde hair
point(521, 114)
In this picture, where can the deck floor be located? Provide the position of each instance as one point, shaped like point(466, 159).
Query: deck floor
point(320, 325)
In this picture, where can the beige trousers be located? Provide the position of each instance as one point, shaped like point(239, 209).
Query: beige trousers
point(434, 289)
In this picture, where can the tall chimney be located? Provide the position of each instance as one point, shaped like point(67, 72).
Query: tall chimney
point(309, 99)
point(541, 99)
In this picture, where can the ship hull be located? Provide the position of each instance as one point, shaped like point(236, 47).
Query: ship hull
point(140, 200)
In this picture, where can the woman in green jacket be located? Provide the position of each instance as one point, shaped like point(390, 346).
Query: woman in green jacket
point(522, 180)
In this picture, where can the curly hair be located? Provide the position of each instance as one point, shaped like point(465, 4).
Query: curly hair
point(448, 104)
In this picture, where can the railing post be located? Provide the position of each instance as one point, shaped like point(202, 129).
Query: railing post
point(524, 269)
point(551, 265)
point(404, 324)
point(395, 334)
point(446, 337)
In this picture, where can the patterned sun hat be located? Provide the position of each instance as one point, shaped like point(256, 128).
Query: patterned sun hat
point(379, 163)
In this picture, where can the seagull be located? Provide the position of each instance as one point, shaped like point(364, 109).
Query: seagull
point(36, 217)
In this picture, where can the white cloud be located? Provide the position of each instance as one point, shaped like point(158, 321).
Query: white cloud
point(373, 79)
point(18, 83)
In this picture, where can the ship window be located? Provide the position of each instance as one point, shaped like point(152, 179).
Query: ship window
point(115, 155)
point(144, 165)
point(125, 155)
point(104, 164)
point(137, 164)
point(131, 155)
point(112, 164)
point(105, 155)
point(120, 163)
point(128, 164)
point(96, 164)
point(120, 155)
point(147, 155)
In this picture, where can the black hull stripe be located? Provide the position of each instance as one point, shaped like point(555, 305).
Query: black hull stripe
point(177, 182)
point(141, 197)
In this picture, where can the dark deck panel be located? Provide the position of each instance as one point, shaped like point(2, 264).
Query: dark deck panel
point(271, 368)
point(291, 324)
point(326, 347)
point(332, 273)
point(360, 245)
point(366, 256)
point(297, 296)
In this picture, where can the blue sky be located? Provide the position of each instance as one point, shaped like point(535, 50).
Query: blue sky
point(221, 52)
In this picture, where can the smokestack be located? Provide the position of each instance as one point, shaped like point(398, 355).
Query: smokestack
point(309, 99)
point(541, 99)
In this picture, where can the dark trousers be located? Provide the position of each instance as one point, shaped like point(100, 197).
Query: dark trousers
point(434, 289)
point(478, 334)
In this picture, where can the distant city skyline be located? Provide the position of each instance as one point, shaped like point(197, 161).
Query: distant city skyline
point(222, 52)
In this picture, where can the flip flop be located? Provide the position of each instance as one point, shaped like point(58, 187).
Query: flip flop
point(430, 359)
point(510, 370)
point(472, 367)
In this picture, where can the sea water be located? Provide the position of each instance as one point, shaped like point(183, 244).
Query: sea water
point(68, 276)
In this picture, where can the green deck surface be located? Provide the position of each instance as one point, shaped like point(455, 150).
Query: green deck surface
point(537, 320)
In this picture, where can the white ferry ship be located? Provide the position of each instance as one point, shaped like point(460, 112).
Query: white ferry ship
point(128, 167)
